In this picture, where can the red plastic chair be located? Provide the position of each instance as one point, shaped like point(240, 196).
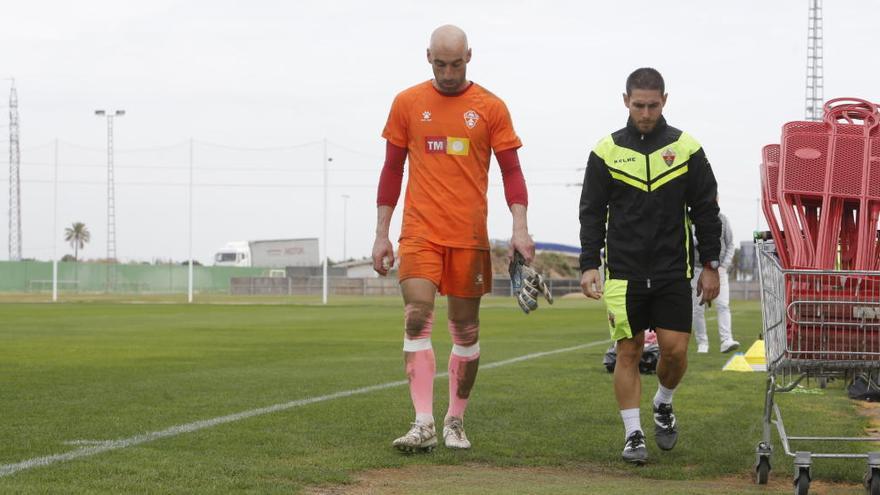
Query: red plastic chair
point(826, 170)
point(855, 175)
point(770, 201)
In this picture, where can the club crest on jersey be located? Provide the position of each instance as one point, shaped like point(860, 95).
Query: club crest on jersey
point(479, 279)
point(470, 119)
point(668, 157)
point(426, 116)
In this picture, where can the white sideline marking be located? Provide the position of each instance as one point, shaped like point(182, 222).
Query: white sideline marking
point(98, 447)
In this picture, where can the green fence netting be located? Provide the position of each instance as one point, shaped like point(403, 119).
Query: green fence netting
point(36, 276)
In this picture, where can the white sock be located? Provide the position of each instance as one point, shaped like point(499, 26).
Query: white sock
point(424, 419)
point(663, 395)
point(631, 421)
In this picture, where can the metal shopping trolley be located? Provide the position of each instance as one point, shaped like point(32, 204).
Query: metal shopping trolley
point(817, 324)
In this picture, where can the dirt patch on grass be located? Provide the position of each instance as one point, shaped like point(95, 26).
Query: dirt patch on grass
point(871, 410)
point(473, 479)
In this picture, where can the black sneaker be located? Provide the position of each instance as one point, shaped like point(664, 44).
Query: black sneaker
point(634, 450)
point(665, 427)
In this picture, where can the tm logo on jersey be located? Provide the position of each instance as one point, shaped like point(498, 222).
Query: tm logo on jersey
point(447, 145)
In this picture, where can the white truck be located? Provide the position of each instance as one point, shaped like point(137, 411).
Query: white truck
point(277, 253)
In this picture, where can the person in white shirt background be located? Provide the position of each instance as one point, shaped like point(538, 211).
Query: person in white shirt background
point(722, 302)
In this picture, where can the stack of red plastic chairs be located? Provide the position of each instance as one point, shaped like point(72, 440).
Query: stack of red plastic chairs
point(821, 198)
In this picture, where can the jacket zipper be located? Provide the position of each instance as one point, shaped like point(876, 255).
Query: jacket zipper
point(648, 176)
point(647, 167)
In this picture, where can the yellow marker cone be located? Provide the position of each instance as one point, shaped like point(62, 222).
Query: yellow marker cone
point(755, 355)
point(737, 363)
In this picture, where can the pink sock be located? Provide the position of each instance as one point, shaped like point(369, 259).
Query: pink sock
point(462, 374)
point(420, 369)
point(420, 363)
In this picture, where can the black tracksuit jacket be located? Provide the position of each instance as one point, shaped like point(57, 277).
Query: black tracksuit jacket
point(641, 196)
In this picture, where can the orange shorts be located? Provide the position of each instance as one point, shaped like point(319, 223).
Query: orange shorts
point(458, 272)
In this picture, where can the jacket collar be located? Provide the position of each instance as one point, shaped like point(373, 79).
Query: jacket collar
point(658, 129)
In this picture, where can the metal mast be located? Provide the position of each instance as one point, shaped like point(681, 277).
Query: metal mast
point(111, 189)
point(111, 195)
point(815, 80)
point(14, 179)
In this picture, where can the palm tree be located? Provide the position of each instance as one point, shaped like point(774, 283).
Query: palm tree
point(77, 235)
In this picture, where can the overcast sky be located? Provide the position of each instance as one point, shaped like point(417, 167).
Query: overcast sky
point(258, 85)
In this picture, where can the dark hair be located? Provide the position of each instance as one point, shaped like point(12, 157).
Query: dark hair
point(645, 78)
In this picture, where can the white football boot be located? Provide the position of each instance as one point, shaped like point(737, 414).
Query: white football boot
point(453, 434)
point(419, 438)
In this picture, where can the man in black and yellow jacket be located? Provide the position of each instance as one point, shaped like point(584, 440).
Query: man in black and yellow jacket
point(645, 186)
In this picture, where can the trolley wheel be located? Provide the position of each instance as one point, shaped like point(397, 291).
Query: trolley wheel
point(873, 483)
point(802, 483)
point(762, 470)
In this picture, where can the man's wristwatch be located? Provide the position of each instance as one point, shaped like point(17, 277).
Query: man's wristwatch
point(712, 265)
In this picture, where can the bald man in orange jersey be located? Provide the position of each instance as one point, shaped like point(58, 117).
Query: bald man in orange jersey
point(448, 127)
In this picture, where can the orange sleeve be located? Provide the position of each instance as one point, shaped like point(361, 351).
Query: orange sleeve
point(395, 131)
point(503, 136)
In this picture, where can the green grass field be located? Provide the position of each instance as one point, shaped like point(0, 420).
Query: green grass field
point(74, 376)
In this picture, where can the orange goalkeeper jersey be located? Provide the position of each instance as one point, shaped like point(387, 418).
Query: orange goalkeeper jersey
point(449, 140)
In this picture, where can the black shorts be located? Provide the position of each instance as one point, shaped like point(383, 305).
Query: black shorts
point(634, 307)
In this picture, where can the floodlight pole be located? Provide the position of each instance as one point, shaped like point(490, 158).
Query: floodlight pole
point(324, 237)
point(815, 68)
point(111, 194)
point(15, 240)
point(189, 297)
point(55, 230)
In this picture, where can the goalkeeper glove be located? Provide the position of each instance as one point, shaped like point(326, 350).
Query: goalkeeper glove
point(527, 284)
